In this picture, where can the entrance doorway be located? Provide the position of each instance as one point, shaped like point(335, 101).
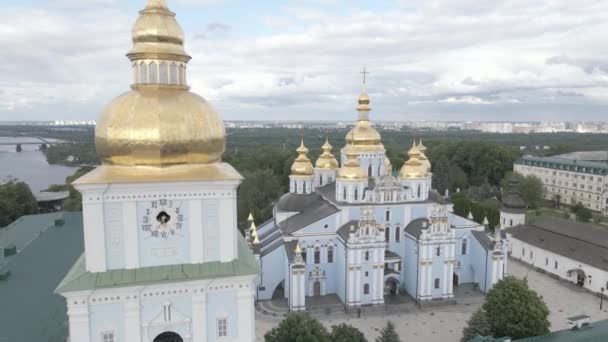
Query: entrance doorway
point(168, 336)
point(317, 288)
point(391, 287)
point(455, 279)
point(580, 278)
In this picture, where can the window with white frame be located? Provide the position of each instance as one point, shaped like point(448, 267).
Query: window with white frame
point(222, 327)
point(107, 336)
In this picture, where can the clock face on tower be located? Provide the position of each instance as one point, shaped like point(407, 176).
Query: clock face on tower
point(162, 218)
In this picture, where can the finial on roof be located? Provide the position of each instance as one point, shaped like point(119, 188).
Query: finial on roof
point(298, 249)
point(250, 218)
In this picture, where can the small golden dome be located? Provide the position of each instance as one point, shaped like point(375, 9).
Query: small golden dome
point(388, 166)
point(423, 158)
point(156, 34)
point(414, 167)
point(159, 127)
point(326, 160)
point(301, 165)
point(351, 170)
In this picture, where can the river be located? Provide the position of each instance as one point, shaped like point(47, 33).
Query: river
point(30, 166)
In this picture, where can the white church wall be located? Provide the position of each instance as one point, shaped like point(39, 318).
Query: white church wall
point(106, 318)
point(437, 274)
point(478, 265)
point(273, 266)
point(409, 272)
point(462, 269)
point(113, 229)
point(224, 305)
point(340, 271)
point(322, 229)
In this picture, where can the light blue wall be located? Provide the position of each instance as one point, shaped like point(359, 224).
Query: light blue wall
point(149, 246)
point(273, 265)
point(319, 226)
point(113, 228)
point(106, 317)
point(211, 229)
point(478, 263)
point(219, 304)
point(409, 271)
point(465, 273)
point(152, 308)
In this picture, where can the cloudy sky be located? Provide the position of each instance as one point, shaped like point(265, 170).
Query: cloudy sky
point(301, 59)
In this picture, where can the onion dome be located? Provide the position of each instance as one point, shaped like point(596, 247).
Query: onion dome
point(326, 160)
point(301, 165)
point(363, 136)
point(159, 123)
point(351, 170)
point(413, 168)
point(423, 158)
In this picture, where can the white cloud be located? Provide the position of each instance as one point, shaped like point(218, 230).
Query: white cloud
point(424, 57)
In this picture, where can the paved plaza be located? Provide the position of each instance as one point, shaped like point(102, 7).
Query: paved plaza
point(445, 323)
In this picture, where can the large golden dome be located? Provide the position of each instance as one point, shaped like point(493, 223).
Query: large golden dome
point(301, 165)
point(159, 123)
point(159, 127)
point(351, 170)
point(326, 160)
point(363, 136)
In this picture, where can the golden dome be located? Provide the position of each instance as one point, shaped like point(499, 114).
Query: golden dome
point(301, 165)
point(363, 136)
point(351, 170)
point(423, 158)
point(158, 123)
point(414, 166)
point(326, 160)
point(387, 165)
point(156, 34)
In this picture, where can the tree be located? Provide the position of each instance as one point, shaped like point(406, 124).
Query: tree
point(346, 333)
point(388, 334)
point(441, 175)
point(532, 191)
point(512, 309)
point(16, 200)
point(300, 328)
point(583, 214)
point(476, 325)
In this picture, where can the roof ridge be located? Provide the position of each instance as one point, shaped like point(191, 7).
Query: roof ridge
point(569, 236)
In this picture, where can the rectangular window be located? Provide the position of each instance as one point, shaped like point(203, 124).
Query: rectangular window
point(330, 255)
point(531, 254)
point(222, 327)
point(366, 256)
point(555, 264)
point(366, 289)
point(546, 261)
point(463, 250)
point(107, 336)
point(436, 283)
point(317, 256)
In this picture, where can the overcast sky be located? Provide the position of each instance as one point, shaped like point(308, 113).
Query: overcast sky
point(429, 59)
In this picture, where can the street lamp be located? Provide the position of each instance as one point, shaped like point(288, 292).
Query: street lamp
point(602, 298)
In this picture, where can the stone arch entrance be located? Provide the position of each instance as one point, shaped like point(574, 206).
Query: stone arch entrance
point(317, 288)
point(279, 291)
point(168, 336)
point(578, 276)
point(391, 287)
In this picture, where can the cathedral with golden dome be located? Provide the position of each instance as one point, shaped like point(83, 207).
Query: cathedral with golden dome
point(360, 232)
point(164, 260)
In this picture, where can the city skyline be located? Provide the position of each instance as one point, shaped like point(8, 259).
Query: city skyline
point(512, 61)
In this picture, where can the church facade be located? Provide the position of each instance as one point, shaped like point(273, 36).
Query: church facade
point(356, 230)
point(163, 260)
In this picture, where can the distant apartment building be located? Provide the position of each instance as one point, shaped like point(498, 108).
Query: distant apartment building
point(570, 180)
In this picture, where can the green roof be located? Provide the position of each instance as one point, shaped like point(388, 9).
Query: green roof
point(24, 229)
point(582, 166)
point(78, 279)
point(594, 332)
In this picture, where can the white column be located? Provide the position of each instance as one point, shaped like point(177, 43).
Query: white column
point(196, 231)
point(199, 317)
point(132, 319)
point(227, 221)
point(246, 328)
point(301, 296)
point(79, 319)
point(444, 285)
point(450, 280)
point(130, 237)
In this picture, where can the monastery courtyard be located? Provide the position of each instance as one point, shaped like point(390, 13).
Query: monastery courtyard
point(445, 322)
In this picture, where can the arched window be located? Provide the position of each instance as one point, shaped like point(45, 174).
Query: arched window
point(378, 170)
point(436, 283)
point(143, 72)
point(463, 250)
point(366, 256)
point(181, 75)
point(397, 234)
point(173, 73)
point(387, 215)
point(163, 73)
point(387, 232)
point(317, 255)
point(320, 179)
point(356, 194)
point(366, 289)
point(330, 254)
point(369, 170)
point(419, 190)
point(344, 193)
point(438, 252)
point(303, 187)
point(153, 73)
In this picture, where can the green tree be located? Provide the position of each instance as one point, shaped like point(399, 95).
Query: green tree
point(300, 328)
point(16, 200)
point(512, 309)
point(441, 175)
point(74, 201)
point(532, 191)
point(388, 333)
point(346, 333)
point(583, 214)
point(476, 325)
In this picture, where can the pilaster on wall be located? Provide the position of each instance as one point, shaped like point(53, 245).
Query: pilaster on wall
point(78, 313)
point(199, 317)
point(132, 319)
point(246, 320)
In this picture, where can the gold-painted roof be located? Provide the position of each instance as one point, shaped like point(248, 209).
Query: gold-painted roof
point(414, 167)
point(301, 165)
point(159, 125)
point(326, 160)
point(387, 165)
point(363, 136)
point(351, 170)
point(156, 34)
point(423, 158)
